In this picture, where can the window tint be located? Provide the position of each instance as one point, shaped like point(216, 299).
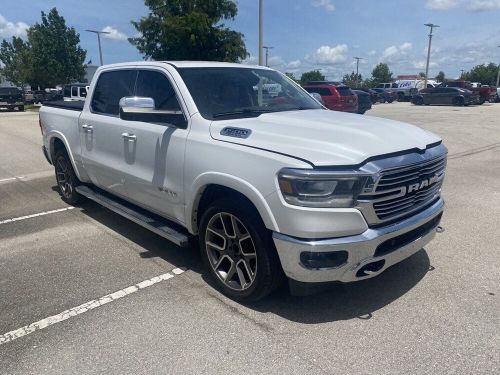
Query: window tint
point(83, 92)
point(110, 88)
point(156, 85)
point(344, 91)
point(67, 91)
point(74, 91)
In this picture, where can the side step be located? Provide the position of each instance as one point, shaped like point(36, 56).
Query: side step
point(150, 221)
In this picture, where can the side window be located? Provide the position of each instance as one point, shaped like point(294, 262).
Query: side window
point(153, 84)
point(67, 91)
point(110, 88)
point(83, 92)
point(74, 91)
point(325, 92)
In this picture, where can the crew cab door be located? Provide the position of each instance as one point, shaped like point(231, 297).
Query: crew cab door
point(154, 159)
point(104, 149)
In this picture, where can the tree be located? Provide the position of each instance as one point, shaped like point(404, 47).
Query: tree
point(421, 74)
point(440, 77)
point(313, 75)
point(189, 30)
point(352, 80)
point(16, 59)
point(381, 73)
point(485, 73)
point(51, 55)
point(291, 76)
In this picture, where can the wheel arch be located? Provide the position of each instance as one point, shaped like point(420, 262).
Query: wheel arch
point(211, 186)
point(57, 142)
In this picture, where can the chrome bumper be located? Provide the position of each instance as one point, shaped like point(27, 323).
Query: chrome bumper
point(361, 249)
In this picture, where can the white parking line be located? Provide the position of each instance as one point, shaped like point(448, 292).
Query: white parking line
point(35, 215)
point(87, 306)
point(9, 179)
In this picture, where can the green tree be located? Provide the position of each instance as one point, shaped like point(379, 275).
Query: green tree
point(313, 75)
point(440, 77)
point(352, 80)
point(381, 73)
point(291, 76)
point(189, 30)
point(16, 59)
point(485, 73)
point(421, 74)
point(51, 55)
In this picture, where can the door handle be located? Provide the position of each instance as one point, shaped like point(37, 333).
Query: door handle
point(129, 136)
point(87, 128)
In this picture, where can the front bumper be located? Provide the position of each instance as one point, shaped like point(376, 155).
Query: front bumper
point(382, 247)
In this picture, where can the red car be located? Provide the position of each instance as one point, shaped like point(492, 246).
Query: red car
point(335, 97)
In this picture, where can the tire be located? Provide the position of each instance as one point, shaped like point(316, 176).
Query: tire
point(247, 253)
point(390, 101)
point(418, 100)
point(21, 108)
point(481, 101)
point(401, 97)
point(66, 178)
point(458, 101)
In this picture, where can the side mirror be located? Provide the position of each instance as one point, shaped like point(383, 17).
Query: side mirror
point(137, 108)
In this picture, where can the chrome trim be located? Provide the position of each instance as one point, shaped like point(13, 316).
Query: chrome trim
point(361, 248)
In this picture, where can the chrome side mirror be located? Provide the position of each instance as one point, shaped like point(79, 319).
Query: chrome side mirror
point(139, 108)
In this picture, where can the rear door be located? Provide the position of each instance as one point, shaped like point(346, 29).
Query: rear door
point(105, 152)
point(155, 153)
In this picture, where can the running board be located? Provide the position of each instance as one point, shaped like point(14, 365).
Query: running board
point(155, 224)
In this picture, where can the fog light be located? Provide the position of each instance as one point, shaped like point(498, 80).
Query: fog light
point(329, 259)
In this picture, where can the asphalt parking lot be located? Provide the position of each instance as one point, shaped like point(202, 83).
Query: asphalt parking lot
point(435, 313)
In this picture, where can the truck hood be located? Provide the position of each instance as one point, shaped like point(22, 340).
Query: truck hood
point(324, 137)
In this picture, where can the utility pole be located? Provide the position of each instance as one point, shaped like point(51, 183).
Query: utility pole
point(267, 48)
point(99, 41)
point(357, 70)
point(498, 74)
point(461, 73)
point(432, 26)
point(261, 37)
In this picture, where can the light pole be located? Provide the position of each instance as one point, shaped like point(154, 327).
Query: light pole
point(498, 74)
point(99, 41)
point(267, 48)
point(357, 70)
point(461, 73)
point(432, 26)
point(261, 37)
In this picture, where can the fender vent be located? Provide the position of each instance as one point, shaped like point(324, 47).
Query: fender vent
point(236, 132)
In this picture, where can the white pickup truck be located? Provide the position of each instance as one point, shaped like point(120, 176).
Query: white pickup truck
point(272, 185)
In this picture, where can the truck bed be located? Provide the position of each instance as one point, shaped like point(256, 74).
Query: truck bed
point(69, 105)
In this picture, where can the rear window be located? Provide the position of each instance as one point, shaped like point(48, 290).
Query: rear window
point(9, 91)
point(344, 91)
point(323, 91)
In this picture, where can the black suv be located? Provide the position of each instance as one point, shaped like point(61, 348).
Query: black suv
point(11, 97)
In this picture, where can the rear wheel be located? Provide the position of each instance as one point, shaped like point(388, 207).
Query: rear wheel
point(66, 178)
point(21, 108)
point(238, 251)
point(418, 100)
point(401, 97)
point(459, 101)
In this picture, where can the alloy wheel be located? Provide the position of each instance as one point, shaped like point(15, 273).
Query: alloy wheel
point(64, 178)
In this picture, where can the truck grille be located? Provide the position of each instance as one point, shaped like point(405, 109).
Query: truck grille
point(406, 190)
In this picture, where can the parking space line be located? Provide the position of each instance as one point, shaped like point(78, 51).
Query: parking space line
point(87, 306)
point(35, 215)
point(9, 179)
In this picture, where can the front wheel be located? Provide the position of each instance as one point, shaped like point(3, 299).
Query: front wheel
point(66, 178)
point(458, 101)
point(238, 251)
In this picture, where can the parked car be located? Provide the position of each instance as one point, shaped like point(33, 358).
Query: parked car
point(75, 91)
point(11, 97)
point(484, 93)
point(445, 95)
point(385, 96)
point(271, 188)
point(28, 97)
point(335, 97)
point(373, 94)
point(497, 98)
point(405, 89)
point(364, 101)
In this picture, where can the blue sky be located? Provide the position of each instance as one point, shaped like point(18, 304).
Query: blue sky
point(307, 34)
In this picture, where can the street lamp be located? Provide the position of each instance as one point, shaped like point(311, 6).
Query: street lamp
point(267, 48)
point(261, 38)
point(99, 40)
point(498, 74)
point(357, 69)
point(432, 26)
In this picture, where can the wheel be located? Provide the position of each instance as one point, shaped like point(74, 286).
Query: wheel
point(459, 101)
point(481, 101)
point(21, 108)
point(238, 251)
point(361, 112)
point(418, 100)
point(390, 101)
point(66, 178)
point(401, 97)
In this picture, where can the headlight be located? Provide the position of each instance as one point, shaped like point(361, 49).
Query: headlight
point(311, 188)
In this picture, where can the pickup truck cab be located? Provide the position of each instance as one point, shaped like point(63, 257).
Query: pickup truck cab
point(272, 186)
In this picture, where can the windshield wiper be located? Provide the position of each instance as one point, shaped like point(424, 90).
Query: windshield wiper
point(246, 111)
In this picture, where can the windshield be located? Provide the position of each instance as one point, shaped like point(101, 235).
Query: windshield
point(221, 93)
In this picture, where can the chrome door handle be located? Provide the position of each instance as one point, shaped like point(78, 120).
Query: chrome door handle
point(87, 128)
point(129, 136)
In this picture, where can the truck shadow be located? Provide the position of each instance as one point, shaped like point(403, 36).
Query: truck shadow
point(331, 302)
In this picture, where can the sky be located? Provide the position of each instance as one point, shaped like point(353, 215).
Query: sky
point(306, 34)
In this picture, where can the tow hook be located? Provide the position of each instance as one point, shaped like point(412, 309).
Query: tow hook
point(439, 229)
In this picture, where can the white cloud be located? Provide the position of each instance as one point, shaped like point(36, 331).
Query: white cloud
point(473, 5)
point(421, 64)
point(372, 52)
point(294, 64)
point(406, 46)
point(330, 55)
point(326, 4)
point(394, 53)
point(389, 52)
point(114, 34)
point(9, 29)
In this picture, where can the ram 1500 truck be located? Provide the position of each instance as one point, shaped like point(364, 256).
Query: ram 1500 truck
point(272, 186)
